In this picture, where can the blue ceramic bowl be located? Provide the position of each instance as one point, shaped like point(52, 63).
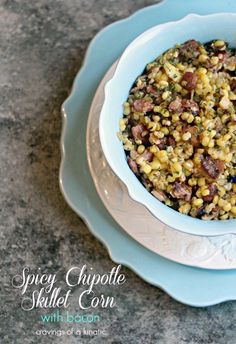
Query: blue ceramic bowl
point(141, 51)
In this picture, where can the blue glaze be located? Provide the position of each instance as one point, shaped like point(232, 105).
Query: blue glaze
point(197, 287)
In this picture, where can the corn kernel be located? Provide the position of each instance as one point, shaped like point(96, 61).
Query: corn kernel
point(155, 164)
point(140, 149)
point(185, 115)
point(165, 95)
point(233, 210)
point(211, 143)
point(221, 202)
point(165, 130)
point(202, 58)
point(153, 149)
point(214, 60)
point(175, 117)
point(227, 207)
point(197, 202)
point(162, 155)
point(122, 124)
point(205, 192)
point(201, 181)
point(185, 208)
point(186, 136)
point(188, 164)
point(192, 182)
point(147, 169)
point(219, 44)
point(176, 167)
point(190, 118)
point(205, 141)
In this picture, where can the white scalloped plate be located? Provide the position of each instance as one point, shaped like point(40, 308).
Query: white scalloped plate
point(217, 252)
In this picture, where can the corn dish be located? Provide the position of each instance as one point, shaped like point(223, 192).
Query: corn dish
point(178, 129)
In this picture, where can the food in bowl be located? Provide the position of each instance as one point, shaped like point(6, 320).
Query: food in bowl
point(178, 129)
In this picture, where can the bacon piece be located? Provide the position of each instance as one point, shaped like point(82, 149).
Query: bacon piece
point(190, 49)
point(171, 141)
point(180, 105)
point(176, 105)
point(189, 81)
point(191, 44)
point(233, 85)
point(147, 156)
point(133, 165)
point(137, 131)
point(212, 167)
point(220, 165)
point(151, 89)
point(213, 191)
point(142, 105)
point(222, 56)
point(161, 143)
point(133, 154)
point(190, 105)
point(181, 191)
point(159, 194)
point(156, 93)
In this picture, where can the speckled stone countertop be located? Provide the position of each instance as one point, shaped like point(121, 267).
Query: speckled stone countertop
point(42, 47)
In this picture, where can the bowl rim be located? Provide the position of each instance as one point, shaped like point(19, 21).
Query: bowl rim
point(197, 226)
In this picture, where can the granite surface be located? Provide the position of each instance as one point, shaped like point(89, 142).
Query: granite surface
point(42, 47)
